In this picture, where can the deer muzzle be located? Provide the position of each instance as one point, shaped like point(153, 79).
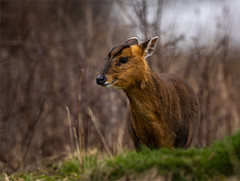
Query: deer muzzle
point(101, 79)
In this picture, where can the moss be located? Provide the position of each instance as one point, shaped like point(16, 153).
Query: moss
point(217, 162)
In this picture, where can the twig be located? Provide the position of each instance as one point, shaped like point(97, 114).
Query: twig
point(30, 133)
point(125, 12)
point(93, 118)
point(120, 138)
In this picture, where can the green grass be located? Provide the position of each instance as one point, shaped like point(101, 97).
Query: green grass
point(67, 170)
point(219, 161)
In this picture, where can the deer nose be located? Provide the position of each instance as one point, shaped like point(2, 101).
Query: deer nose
point(101, 79)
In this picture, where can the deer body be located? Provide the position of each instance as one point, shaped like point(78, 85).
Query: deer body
point(164, 109)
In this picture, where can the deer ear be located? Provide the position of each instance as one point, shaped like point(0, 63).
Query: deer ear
point(132, 41)
point(149, 46)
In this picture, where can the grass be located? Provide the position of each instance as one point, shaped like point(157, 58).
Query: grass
point(218, 162)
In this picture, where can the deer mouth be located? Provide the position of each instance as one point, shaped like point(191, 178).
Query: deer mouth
point(109, 84)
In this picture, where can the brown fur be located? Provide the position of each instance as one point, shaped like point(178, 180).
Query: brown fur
point(164, 109)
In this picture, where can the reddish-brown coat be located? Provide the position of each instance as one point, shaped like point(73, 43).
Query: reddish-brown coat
point(164, 108)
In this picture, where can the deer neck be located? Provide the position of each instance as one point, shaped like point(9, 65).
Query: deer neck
point(144, 96)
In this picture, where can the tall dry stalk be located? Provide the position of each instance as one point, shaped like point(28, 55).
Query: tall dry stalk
point(80, 121)
point(78, 151)
point(94, 120)
point(70, 129)
point(73, 135)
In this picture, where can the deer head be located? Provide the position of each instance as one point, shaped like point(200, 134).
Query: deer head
point(126, 64)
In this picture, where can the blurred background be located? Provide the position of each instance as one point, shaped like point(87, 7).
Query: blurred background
point(52, 51)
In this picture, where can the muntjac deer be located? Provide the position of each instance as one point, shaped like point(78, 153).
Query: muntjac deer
point(164, 109)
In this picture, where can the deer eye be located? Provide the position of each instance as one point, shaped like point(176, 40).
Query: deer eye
point(123, 60)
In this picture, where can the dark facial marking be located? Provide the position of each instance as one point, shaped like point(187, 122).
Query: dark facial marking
point(113, 53)
point(117, 50)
